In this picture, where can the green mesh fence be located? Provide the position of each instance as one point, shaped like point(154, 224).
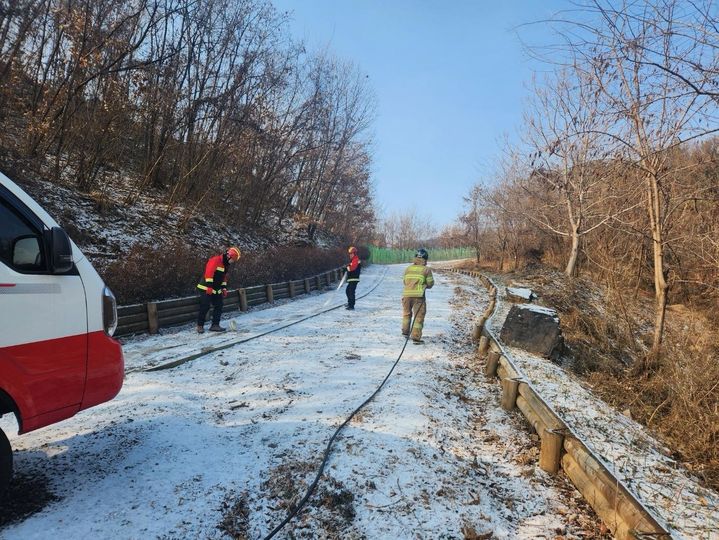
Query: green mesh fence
point(379, 255)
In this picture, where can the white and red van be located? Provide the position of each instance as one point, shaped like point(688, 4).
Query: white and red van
point(57, 317)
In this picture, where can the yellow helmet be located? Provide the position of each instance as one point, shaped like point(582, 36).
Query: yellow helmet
point(352, 249)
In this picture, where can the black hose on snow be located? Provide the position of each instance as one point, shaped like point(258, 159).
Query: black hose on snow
point(326, 455)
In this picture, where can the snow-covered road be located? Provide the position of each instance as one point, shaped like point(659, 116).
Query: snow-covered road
point(220, 447)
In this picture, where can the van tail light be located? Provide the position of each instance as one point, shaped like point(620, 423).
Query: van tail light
point(109, 311)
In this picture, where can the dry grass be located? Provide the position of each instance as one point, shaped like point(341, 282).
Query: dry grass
point(608, 332)
point(680, 400)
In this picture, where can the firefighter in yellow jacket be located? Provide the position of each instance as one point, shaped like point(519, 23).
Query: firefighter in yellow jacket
point(417, 278)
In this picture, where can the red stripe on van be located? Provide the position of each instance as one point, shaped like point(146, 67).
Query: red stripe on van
point(7, 284)
point(53, 379)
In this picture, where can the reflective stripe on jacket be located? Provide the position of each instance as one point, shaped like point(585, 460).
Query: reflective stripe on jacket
point(417, 278)
point(214, 275)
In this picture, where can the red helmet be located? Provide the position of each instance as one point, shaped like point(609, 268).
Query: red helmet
point(352, 250)
point(233, 254)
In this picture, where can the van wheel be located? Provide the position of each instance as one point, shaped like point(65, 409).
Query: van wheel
point(5, 463)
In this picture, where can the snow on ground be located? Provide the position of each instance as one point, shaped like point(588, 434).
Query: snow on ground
point(222, 446)
point(638, 460)
point(521, 292)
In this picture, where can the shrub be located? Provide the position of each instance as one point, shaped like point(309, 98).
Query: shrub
point(149, 272)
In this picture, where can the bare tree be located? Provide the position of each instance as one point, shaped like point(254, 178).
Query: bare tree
point(571, 158)
point(406, 230)
point(207, 105)
point(653, 116)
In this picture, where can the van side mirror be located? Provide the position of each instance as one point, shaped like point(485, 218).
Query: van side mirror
point(61, 251)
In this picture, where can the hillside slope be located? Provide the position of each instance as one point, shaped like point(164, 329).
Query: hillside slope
point(135, 238)
point(106, 224)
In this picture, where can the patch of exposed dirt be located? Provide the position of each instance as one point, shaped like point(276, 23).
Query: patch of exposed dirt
point(27, 495)
point(330, 509)
point(336, 505)
point(235, 516)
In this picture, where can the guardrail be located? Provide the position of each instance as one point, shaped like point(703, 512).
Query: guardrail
point(560, 447)
point(152, 316)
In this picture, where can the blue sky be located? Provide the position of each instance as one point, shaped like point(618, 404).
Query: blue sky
point(450, 78)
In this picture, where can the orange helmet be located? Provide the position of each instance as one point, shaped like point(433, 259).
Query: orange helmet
point(233, 254)
point(352, 249)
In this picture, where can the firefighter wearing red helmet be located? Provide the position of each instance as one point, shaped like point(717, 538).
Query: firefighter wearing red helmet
point(213, 288)
point(353, 273)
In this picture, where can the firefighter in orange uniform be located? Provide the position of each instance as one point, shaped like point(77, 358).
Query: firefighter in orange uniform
point(353, 274)
point(213, 288)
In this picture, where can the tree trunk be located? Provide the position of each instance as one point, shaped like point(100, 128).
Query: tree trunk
point(573, 254)
point(500, 265)
point(660, 283)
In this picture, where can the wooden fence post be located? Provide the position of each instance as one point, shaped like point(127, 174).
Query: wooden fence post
point(153, 320)
point(291, 289)
point(308, 289)
point(243, 299)
point(477, 330)
point(510, 389)
point(490, 368)
point(483, 345)
point(270, 294)
point(318, 277)
point(550, 451)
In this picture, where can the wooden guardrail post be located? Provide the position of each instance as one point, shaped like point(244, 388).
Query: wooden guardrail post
point(477, 330)
point(291, 289)
point(483, 345)
point(550, 451)
point(510, 389)
point(318, 277)
point(308, 289)
point(243, 299)
point(153, 319)
point(490, 367)
point(270, 294)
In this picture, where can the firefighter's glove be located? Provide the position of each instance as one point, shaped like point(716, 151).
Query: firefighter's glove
point(209, 291)
point(224, 293)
